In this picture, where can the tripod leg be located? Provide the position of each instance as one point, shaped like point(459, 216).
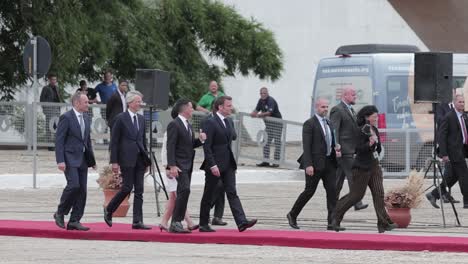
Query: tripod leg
point(425, 176)
point(437, 184)
point(450, 200)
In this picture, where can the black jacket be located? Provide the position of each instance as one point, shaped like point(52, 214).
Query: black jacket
point(113, 108)
point(450, 138)
point(314, 145)
point(365, 153)
point(180, 145)
point(217, 147)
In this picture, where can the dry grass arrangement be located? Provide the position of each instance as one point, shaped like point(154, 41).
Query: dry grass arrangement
point(108, 179)
point(408, 196)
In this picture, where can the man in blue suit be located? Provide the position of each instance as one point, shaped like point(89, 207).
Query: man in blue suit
point(129, 155)
point(74, 155)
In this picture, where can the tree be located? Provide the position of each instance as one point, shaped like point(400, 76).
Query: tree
point(174, 35)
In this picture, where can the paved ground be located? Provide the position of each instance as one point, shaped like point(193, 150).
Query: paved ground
point(269, 202)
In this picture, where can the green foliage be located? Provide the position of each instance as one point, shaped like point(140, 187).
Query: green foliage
point(173, 35)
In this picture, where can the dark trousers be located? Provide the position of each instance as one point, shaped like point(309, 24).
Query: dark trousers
point(133, 177)
point(74, 195)
point(218, 200)
point(448, 180)
point(50, 113)
point(183, 193)
point(273, 131)
point(311, 182)
point(228, 179)
point(344, 170)
point(373, 178)
point(454, 171)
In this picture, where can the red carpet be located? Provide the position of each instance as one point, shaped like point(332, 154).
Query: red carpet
point(331, 240)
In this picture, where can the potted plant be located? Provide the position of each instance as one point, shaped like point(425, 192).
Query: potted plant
point(399, 201)
point(111, 183)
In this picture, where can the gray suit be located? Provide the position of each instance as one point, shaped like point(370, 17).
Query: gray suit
point(346, 132)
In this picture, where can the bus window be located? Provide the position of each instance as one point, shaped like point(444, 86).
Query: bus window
point(332, 87)
point(398, 114)
point(458, 81)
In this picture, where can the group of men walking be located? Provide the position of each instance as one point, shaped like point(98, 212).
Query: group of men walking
point(129, 156)
point(328, 153)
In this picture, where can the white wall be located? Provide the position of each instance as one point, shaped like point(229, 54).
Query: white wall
point(307, 31)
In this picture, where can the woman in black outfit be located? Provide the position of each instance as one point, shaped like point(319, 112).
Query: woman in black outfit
point(366, 172)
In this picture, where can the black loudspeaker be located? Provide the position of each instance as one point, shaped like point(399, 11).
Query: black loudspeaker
point(433, 77)
point(154, 85)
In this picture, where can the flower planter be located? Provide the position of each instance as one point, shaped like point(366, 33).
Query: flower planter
point(122, 210)
point(400, 216)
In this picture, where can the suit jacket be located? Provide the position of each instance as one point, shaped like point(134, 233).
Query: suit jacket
point(180, 145)
point(364, 152)
point(314, 145)
point(217, 147)
point(128, 145)
point(451, 139)
point(113, 108)
point(69, 144)
point(346, 128)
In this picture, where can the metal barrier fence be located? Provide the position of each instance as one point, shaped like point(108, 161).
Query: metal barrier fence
point(271, 140)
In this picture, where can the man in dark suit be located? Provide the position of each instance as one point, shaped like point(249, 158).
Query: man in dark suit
point(180, 154)
point(116, 103)
point(318, 160)
point(74, 154)
point(441, 112)
point(129, 155)
point(453, 145)
point(220, 164)
point(343, 118)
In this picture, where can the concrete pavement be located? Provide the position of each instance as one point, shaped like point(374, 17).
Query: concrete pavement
point(263, 197)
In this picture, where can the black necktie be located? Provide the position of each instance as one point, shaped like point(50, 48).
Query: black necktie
point(352, 111)
point(189, 128)
point(135, 124)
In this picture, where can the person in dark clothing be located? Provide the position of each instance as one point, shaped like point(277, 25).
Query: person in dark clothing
point(442, 110)
point(366, 172)
point(453, 146)
point(318, 160)
point(50, 94)
point(89, 92)
point(268, 107)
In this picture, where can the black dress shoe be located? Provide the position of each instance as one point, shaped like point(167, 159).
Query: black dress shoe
point(218, 221)
point(263, 164)
point(242, 227)
point(274, 165)
point(432, 200)
point(388, 227)
point(447, 198)
point(107, 217)
point(206, 228)
point(76, 226)
point(140, 225)
point(194, 227)
point(335, 228)
point(59, 220)
point(176, 227)
point(292, 221)
point(360, 206)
